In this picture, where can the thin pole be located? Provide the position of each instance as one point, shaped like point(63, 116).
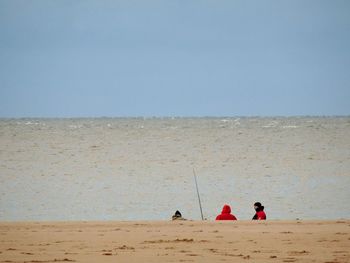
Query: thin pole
point(199, 198)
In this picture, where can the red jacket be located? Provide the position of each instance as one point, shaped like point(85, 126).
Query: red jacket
point(260, 215)
point(226, 214)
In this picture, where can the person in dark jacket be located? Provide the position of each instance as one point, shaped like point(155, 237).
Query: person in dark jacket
point(177, 216)
point(226, 214)
point(260, 214)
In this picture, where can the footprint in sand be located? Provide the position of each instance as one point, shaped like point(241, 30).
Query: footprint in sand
point(167, 248)
point(232, 255)
point(296, 253)
point(289, 260)
point(125, 247)
point(213, 250)
point(340, 222)
point(187, 240)
point(192, 255)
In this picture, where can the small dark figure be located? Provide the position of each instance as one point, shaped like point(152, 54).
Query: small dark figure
point(226, 214)
point(177, 216)
point(260, 214)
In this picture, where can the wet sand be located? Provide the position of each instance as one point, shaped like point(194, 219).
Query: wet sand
point(180, 241)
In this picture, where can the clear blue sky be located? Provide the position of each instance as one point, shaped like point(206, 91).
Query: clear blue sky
point(66, 58)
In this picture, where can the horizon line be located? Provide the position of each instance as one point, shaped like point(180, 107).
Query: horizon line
point(177, 117)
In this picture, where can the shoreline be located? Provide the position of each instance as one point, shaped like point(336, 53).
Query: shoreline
point(239, 222)
point(176, 241)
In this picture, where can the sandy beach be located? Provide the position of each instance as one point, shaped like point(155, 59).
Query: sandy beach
point(177, 241)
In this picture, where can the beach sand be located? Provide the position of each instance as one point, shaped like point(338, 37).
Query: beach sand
point(178, 241)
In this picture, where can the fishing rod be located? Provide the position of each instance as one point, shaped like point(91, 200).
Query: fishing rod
point(199, 198)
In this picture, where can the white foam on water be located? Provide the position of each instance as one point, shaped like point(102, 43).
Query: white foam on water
point(272, 124)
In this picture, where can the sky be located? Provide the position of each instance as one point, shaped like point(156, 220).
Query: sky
point(83, 58)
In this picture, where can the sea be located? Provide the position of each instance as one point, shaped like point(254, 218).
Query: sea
point(143, 168)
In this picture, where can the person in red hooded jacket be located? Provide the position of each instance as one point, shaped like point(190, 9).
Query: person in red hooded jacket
point(226, 214)
point(260, 214)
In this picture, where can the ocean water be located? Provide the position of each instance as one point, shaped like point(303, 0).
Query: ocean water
point(142, 168)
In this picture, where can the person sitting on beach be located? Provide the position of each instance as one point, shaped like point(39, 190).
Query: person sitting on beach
point(260, 214)
point(226, 214)
point(177, 216)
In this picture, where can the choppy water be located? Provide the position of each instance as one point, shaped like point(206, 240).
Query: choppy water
point(137, 168)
